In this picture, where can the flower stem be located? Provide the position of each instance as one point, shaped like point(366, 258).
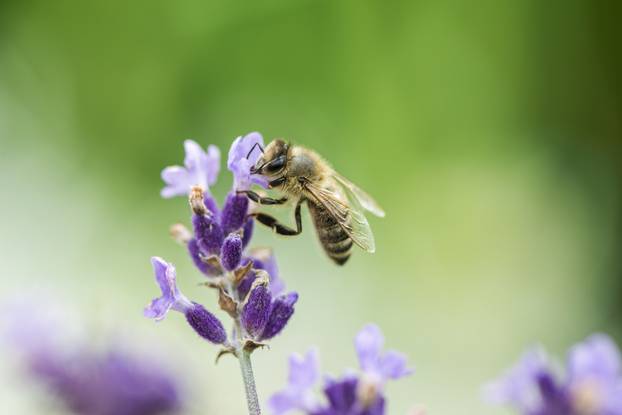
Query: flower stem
point(249, 382)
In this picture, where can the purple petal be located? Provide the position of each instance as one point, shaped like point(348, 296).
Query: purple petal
point(393, 365)
point(596, 357)
point(303, 375)
point(178, 182)
point(213, 164)
point(518, 385)
point(341, 394)
point(594, 375)
point(200, 169)
point(281, 311)
point(256, 311)
point(234, 211)
point(304, 371)
point(206, 324)
point(231, 253)
point(171, 296)
point(369, 342)
point(157, 308)
point(240, 165)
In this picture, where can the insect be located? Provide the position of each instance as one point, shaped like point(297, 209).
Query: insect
point(335, 203)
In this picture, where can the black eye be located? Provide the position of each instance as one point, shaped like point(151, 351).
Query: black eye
point(276, 164)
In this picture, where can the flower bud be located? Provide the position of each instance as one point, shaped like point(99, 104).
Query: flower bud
point(280, 312)
point(208, 234)
point(256, 311)
point(234, 212)
point(231, 253)
point(206, 324)
point(247, 232)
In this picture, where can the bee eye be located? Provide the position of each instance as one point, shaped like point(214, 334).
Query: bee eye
point(276, 164)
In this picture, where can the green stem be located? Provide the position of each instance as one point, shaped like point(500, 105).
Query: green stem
point(249, 382)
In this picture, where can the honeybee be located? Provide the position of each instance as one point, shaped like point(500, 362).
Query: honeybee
point(335, 203)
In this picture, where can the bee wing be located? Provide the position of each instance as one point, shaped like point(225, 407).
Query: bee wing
point(356, 193)
point(351, 220)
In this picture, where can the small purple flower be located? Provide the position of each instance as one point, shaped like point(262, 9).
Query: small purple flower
point(518, 386)
point(241, 159)
point(201, 320)
point(351, 394)
point(377, 366)
point(595, 376)
point(200, 169)
point(304, 373)
point(592, 386)
point(171, 296)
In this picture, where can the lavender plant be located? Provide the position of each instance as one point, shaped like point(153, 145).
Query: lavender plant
point(246, 280)
point(592, 384)
point(86, 381)
point(353, 393)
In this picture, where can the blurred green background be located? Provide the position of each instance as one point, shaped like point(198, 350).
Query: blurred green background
point(489, 131)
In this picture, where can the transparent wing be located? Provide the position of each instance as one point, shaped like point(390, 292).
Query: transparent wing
point(356, 193)
point(351, 220)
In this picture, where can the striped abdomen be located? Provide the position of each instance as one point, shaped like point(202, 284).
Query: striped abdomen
point(333, 238)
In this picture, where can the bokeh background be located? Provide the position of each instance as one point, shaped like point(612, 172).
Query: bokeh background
point(489, 131)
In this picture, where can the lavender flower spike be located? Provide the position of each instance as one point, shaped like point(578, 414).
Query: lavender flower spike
point(171, 296)
point(304, 373)
point(241, 159)
point(200, 169)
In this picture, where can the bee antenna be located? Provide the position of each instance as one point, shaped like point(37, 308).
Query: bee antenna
point(253, 147)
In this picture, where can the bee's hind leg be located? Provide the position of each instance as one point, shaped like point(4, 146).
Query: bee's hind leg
point(278, 227)
point(255, 197)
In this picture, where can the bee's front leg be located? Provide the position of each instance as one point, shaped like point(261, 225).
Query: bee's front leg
point(278, 227)
point(255, 197)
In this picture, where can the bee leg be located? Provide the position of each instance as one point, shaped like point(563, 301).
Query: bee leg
point(263, 200)
point(279, 228)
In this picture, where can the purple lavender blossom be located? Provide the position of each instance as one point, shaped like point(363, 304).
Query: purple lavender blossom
point(240, 165)
point(201, 320)
point(304, 373)
point(111, 381)
point(171, 296)
point(110, 384)
point(592, 385)
point(200, 169)
point(352, 394)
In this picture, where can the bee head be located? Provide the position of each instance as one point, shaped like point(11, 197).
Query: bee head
point(273, 160)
